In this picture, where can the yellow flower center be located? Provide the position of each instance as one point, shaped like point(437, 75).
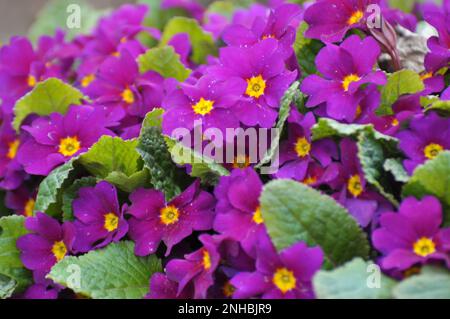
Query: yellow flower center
point(59, 250)
point(302, 147)
point(255, 86)
point(228, 290)
point(87, 80)
point(268, 36)
point(354, 185)
point(169, 215)
point(358, 111)
point(284, 279)
point(203, 106)
point(257, 216)
point(355, 17)
point(111, 222)
point(69, 146)
point(424, 247)
point(128, 96)
point(349, 79)
point(31, 81)
point(426, 76)
point(206, 259)
point(123, 40)
point(12, 150)
point(116, 54)
point(29, 207)
point(432, 150)
point(310, 180)
point(395, 122)
point(241, 161)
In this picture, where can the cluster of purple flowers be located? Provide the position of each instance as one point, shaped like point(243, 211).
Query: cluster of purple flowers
point(213, 240)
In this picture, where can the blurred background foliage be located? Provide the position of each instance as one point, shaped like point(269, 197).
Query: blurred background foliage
point(36, 17)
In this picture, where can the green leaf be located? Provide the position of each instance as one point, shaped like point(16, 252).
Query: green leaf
point(372, 153)
point(164, 61)
point(295, 212)
point(71, 193)
point(7, 287)
point(398, 84)
point(395, 167)
point(157, 158)
point(432, 178)
point(289, 96)
point(202, 42)
point(11, 228)
point(224, 8)
point(153, 119)
point(440, 106)
point(49, 189)
point(50, 96)
point(111, 154)
point(128, 183)
point(157, 17)
point(116, 161)
point(373, 149)
point(111, 273)
point(330, 128)
point(55, 15)
point(431, 283)
point(356, 279)
point(404, 5)
point(203, 167)
point(306, 51)
point(300, 40)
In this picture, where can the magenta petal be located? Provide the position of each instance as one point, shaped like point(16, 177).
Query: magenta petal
point(244, 197)
point(400, 259)
point(249, 285)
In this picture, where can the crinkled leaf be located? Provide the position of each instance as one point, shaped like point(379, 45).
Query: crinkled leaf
point(201, 166)
point(153, 119)
point(129, 183)
point(372, 153)
point(398, 84)
point(356, 279)
point(436, 104)
point(49, 189)
point(432, 178)
point(395, 167)
point(116, 161)
point(202, 41)
point(114, 272)
point(431, 283)
point(164, 61)
point(306, 51)
point(49, 96)
point(11, 228)
point(71, 193)
point(289, 96)
point(330, 128)
point(7, 287)
point(111, 154)
point(373, 149)
point(153, 149)
point(295, 212)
